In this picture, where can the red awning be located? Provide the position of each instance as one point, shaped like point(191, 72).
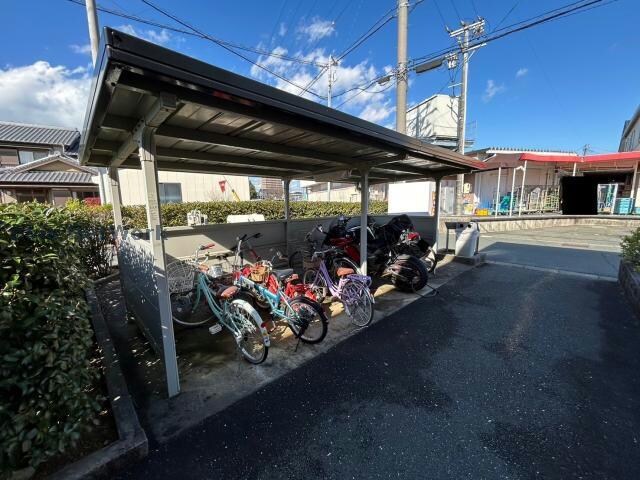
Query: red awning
point(607, 157)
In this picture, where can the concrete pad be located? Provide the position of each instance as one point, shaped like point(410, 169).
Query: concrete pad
point(213, 374)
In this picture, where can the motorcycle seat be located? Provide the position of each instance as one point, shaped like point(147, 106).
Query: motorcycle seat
point(225, 292)
point(344, 271)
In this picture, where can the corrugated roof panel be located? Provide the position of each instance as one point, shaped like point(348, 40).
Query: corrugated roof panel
point(11, 132)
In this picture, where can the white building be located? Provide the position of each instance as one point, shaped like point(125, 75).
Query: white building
point(630, 139)
point(435, 120)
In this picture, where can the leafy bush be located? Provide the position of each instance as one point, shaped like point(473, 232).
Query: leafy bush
point(94, 232)
point(175, 214)
point(631, 248)
point(46, 382)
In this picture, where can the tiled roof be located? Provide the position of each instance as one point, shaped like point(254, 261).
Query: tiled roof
point(11, 132)
point(46, 177)
point(28, 173)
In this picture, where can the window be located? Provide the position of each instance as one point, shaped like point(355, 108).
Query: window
point(8, 157)
point(31, 195)
point(170, 193)
point(28, 156)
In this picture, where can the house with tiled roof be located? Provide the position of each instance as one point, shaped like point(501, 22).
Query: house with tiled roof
point(37, 163)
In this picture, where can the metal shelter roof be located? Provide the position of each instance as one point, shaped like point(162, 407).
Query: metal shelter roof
point(212, 120)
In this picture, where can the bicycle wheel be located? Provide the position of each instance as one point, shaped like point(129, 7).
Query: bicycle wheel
point(185, 313)
point(358, 303)
point(309, 321)
point(318, 284)
point(253, 339)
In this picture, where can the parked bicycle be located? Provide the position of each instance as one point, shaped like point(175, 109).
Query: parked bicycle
point(305, 317)
point(192, 284)
point(351, 288)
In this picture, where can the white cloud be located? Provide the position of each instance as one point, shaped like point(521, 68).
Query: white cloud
point(159, 37)
point(377, 112)
point(492, 90)
point(45, 94)
point(81, 49)
point(282, 31)
point(522, 72)
point(317, 29)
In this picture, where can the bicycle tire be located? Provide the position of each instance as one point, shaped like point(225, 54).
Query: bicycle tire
point(186, 314)
point(307, 337)
point(258, 331)
point(317, 284)
point(361, 295)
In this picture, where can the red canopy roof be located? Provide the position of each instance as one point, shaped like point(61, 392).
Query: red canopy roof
point(607, 157)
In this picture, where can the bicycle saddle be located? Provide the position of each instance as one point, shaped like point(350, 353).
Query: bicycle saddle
point(283, 273)
point(226, 292)
point(343, 271)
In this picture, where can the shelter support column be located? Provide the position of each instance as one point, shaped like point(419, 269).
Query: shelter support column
point(147, 152)
point(524, 174)
point(634, 187)
point(436, 214)
point(364, 210)
point(116, 199)
point(497, 207)
point(287, 212)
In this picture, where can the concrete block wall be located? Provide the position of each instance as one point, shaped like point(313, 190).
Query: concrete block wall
point(507, 224)
point(630, 282)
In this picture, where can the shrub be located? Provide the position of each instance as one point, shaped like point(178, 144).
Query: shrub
point(175, 214)
point(46, 396)
point(631, 248)
point(93, 227)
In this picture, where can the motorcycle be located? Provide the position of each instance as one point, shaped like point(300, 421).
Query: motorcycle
point(385, 256)
point(411, 243)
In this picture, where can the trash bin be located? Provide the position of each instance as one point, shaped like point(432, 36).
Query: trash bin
point(467, 239)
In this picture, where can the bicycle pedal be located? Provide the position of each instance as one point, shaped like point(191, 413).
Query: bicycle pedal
point(215, 328)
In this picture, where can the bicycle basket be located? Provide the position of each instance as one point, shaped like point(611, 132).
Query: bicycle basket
point(181, 276)
point(259, 272)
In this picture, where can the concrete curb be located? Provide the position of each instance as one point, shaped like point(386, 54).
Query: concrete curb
point(132, 444)
point(589, 276)
point(629, 280)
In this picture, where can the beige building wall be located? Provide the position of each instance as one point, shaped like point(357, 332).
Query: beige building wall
point(196, 187)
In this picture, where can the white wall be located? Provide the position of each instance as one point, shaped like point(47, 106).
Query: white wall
point(435, 116)
point(196, 187)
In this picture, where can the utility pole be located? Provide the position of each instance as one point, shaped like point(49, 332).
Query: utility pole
point(94, 31)
point(94, 38)
point(463, 35)
point(330, 81)
point(401, 76)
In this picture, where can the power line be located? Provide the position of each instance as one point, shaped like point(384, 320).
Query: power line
point(557, 13)
point(185, 24)
point(238, 46)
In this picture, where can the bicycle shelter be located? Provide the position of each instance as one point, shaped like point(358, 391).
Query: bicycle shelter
point(154, 109)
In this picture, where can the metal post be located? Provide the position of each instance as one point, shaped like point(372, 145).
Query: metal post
point(634, 192)
point(524, 174)
point(116, 199)
point(436, 214)
point(328, 191)
point(364, 210)
point(513, 187)
point(287, 206)
point(498, 192)
point(147, 153)
point(574, 169)
point(401, 76)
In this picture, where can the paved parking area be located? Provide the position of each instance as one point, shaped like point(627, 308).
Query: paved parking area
point(585, 249)
point(508, 373)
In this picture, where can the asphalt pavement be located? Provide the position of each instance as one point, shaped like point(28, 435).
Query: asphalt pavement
point(508, 373)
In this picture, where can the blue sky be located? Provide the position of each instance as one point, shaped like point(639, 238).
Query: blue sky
point(560, 85)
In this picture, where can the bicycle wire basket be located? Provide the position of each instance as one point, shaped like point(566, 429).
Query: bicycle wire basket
point(181, 275)
point(259, 272)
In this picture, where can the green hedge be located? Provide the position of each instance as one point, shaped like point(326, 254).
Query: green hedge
point(175, 214)
point(47, 396)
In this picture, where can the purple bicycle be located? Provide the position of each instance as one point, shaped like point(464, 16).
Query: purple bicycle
point(350, 288)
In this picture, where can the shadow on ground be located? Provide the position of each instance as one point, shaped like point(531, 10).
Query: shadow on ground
point(509, 373)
